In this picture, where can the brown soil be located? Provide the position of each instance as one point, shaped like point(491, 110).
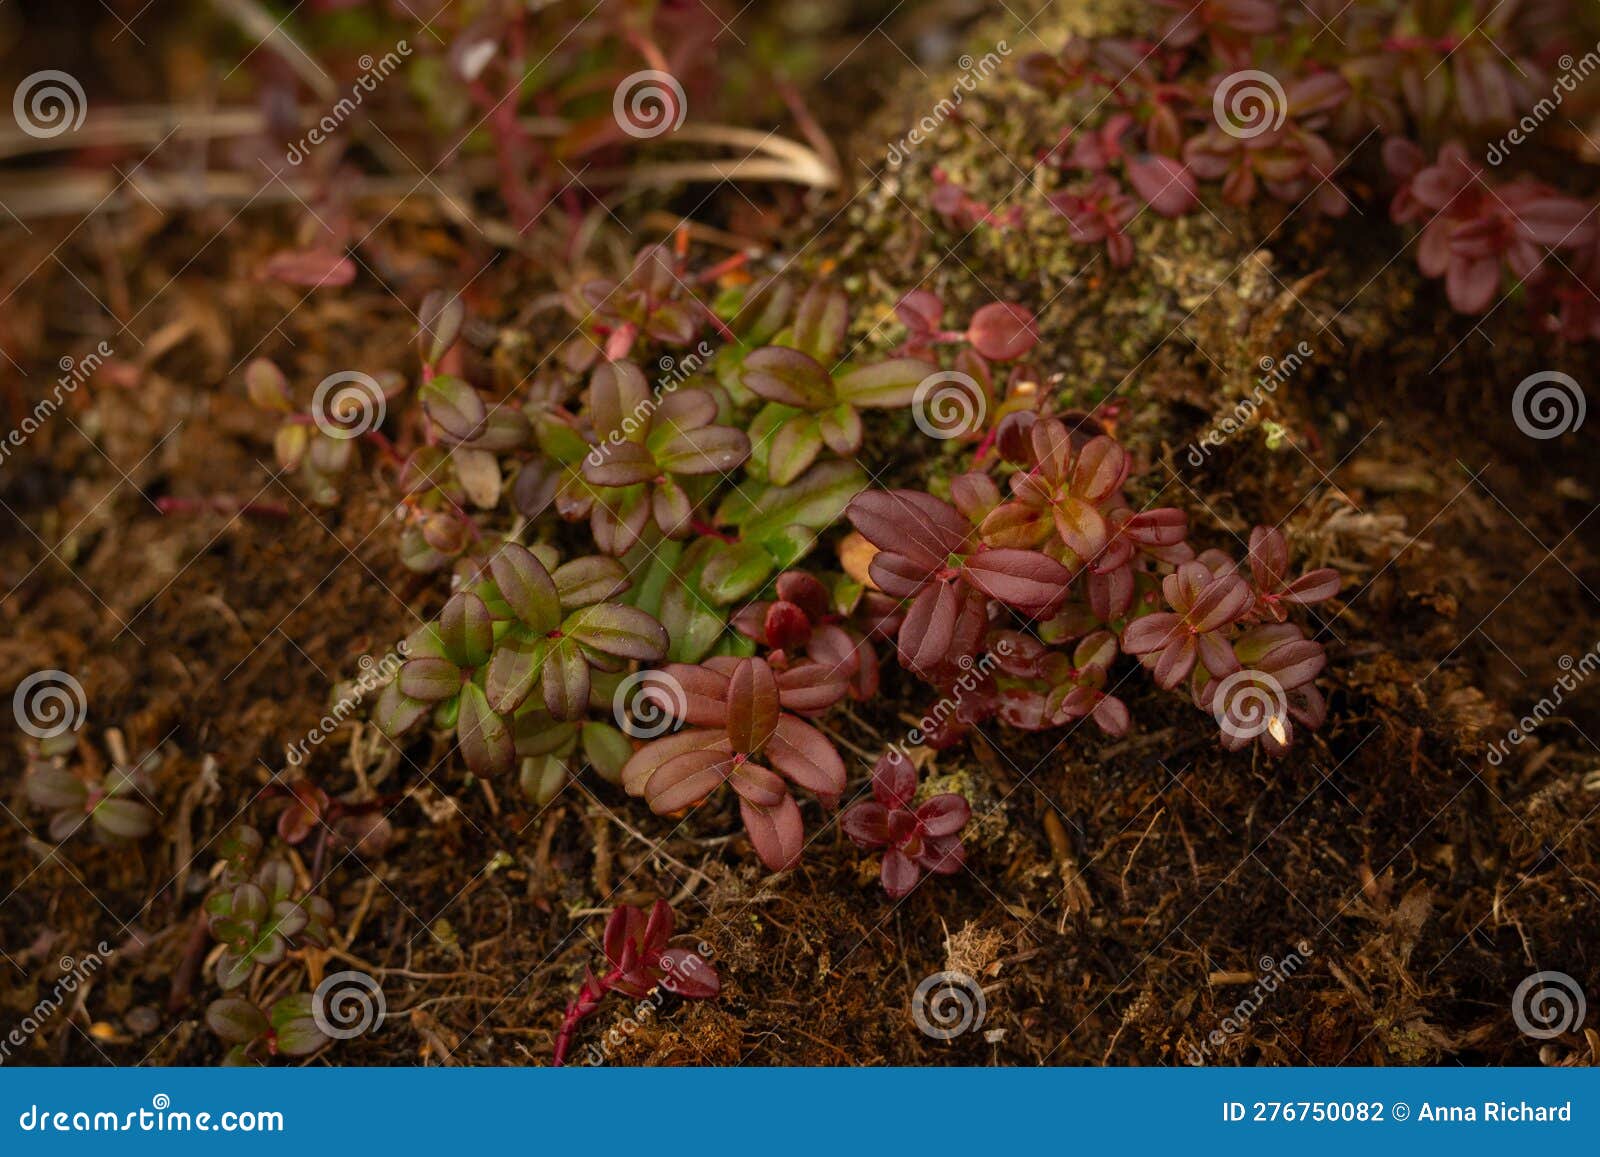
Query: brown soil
point(1121, 895)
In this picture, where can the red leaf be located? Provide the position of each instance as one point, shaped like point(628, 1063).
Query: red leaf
point(777, 833)
point(312, 268)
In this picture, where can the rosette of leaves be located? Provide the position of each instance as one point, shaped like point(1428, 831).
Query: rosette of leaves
point(1204, 607)
point(319, 450)
point(1068, 501)
point(655, 458)
point(470, 436)
point(813, 401)
point(286, 1028)
point(1269, 575)
point(930, 553)
point(916, 838)
point(639, 950)
point(652, 299)
point(115, 807)
point(525, 626)
point(1272, 690)
point(258, 920)
point(742, 717)
point(1041, 687)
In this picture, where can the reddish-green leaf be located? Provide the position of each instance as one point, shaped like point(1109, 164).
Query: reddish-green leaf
point(626, 632)
point(526, 586)
point(786, 375)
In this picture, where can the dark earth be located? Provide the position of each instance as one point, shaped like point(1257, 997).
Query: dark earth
point(1123, 896)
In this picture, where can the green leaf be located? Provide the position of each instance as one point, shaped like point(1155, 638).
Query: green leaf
point(795, 446)
point(124, 818)
point(841, 429)
point(558, 440)
point(466, 630)
point(484, 736)
point(301, 1037)
point(535, 733)
point(396, 713)
point(454, 406)
point(566, 681)
point(606, 749)
point(712, 450)
point(619, 400)
point(736, 571)
point(820, 321)
point(479, 473)
point(589, 580)
point(659, 566)
point(235, 1021)
point(671, 507)
point(889, 385)
point(816, 500)
point(514, 669)
point(619, 464)
point(788, 376)
point(618, 630)
point(428, 680)
point(693, 623)
point(526, 587)
point(542, 777)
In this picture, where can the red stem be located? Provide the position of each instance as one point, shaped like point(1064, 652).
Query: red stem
point(588, 1000)
point(708, 530)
